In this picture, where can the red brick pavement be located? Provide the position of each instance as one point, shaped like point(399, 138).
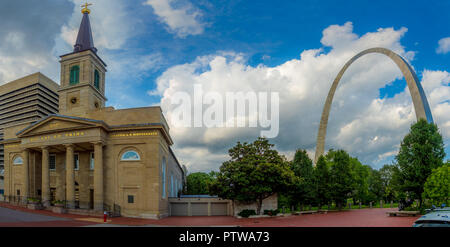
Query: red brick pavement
point(56, 223)
point(351, 218)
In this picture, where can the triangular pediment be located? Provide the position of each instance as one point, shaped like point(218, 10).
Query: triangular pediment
point(57, 124)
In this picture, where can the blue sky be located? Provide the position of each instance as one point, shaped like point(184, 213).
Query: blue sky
point(296, 48)
point(282, 30)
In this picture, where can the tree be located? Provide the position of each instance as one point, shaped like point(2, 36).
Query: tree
point(437, 186)
point(360, 175)
point(386, 173)
point(421, 151)
point(304, 191)
point(197, 183)
point(254, 172)
point(341, 176)
point(376, 189)
point(322, 182)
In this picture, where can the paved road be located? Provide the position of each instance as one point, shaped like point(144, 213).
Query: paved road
point(11, 216)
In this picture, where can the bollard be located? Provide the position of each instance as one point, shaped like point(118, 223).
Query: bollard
point(105, 216)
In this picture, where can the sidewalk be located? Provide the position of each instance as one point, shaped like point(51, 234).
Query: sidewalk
point(375, 217)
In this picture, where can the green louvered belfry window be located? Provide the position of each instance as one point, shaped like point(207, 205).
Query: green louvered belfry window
point(97, 79)
point(74, 75)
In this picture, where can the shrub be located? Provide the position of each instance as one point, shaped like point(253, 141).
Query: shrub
point(247, 212)
point(271, 212)
point(437, 186)
point(34, 200)
point(57, 202)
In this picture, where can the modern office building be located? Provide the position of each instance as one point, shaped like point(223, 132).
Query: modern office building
point(25, 101)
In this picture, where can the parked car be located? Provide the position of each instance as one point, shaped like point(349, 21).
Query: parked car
point(435, 217)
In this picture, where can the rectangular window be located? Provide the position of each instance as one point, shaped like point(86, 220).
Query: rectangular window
point(91, 166)
point(76, 161)
point(171, 185)
point(18, 192)
point(163, 179)
point(130, 199)
point(176, 187)
point(52, 162)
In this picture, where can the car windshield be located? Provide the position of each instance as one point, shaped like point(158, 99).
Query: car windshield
point(432, 223)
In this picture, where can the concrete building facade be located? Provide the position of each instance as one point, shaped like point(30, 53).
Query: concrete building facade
point(25, 101)
point(88, 156)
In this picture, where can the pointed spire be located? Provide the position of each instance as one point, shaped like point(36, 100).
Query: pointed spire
point(84, 38)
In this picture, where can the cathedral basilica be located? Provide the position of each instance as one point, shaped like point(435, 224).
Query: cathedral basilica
point(89, 157)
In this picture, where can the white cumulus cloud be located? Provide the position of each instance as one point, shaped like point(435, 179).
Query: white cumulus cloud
point(444, 45)
point(182, 20)
point(360, 122)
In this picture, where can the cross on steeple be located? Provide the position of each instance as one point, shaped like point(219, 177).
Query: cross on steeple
point(85, 9)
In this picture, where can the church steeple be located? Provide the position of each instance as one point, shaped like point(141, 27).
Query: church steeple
point(84, 38)
point(82, 74)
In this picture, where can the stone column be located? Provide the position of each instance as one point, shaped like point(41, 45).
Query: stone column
point(98, 176)
point(70, 177)
point(45, 177)
point(25, 178)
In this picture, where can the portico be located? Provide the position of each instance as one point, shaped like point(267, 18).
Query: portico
point(68, 165)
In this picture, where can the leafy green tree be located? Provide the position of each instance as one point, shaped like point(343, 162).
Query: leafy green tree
point(386, 173)
point(197, 183)
point(360, 175)
point(254, 172)
point(376, 189)
point(302, 192)
point(322, 182)
point(421, 151)
point(437, 186)
point(341, 176)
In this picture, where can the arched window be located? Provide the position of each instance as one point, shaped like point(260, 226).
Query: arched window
point(18, 161)
point(130, 156)
point(163, 177)
point(97, 79)
point(74, 75)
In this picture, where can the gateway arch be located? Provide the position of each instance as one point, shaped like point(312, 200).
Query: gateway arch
point(419, 99)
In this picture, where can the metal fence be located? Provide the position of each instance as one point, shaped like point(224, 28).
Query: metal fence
point(113, 211)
